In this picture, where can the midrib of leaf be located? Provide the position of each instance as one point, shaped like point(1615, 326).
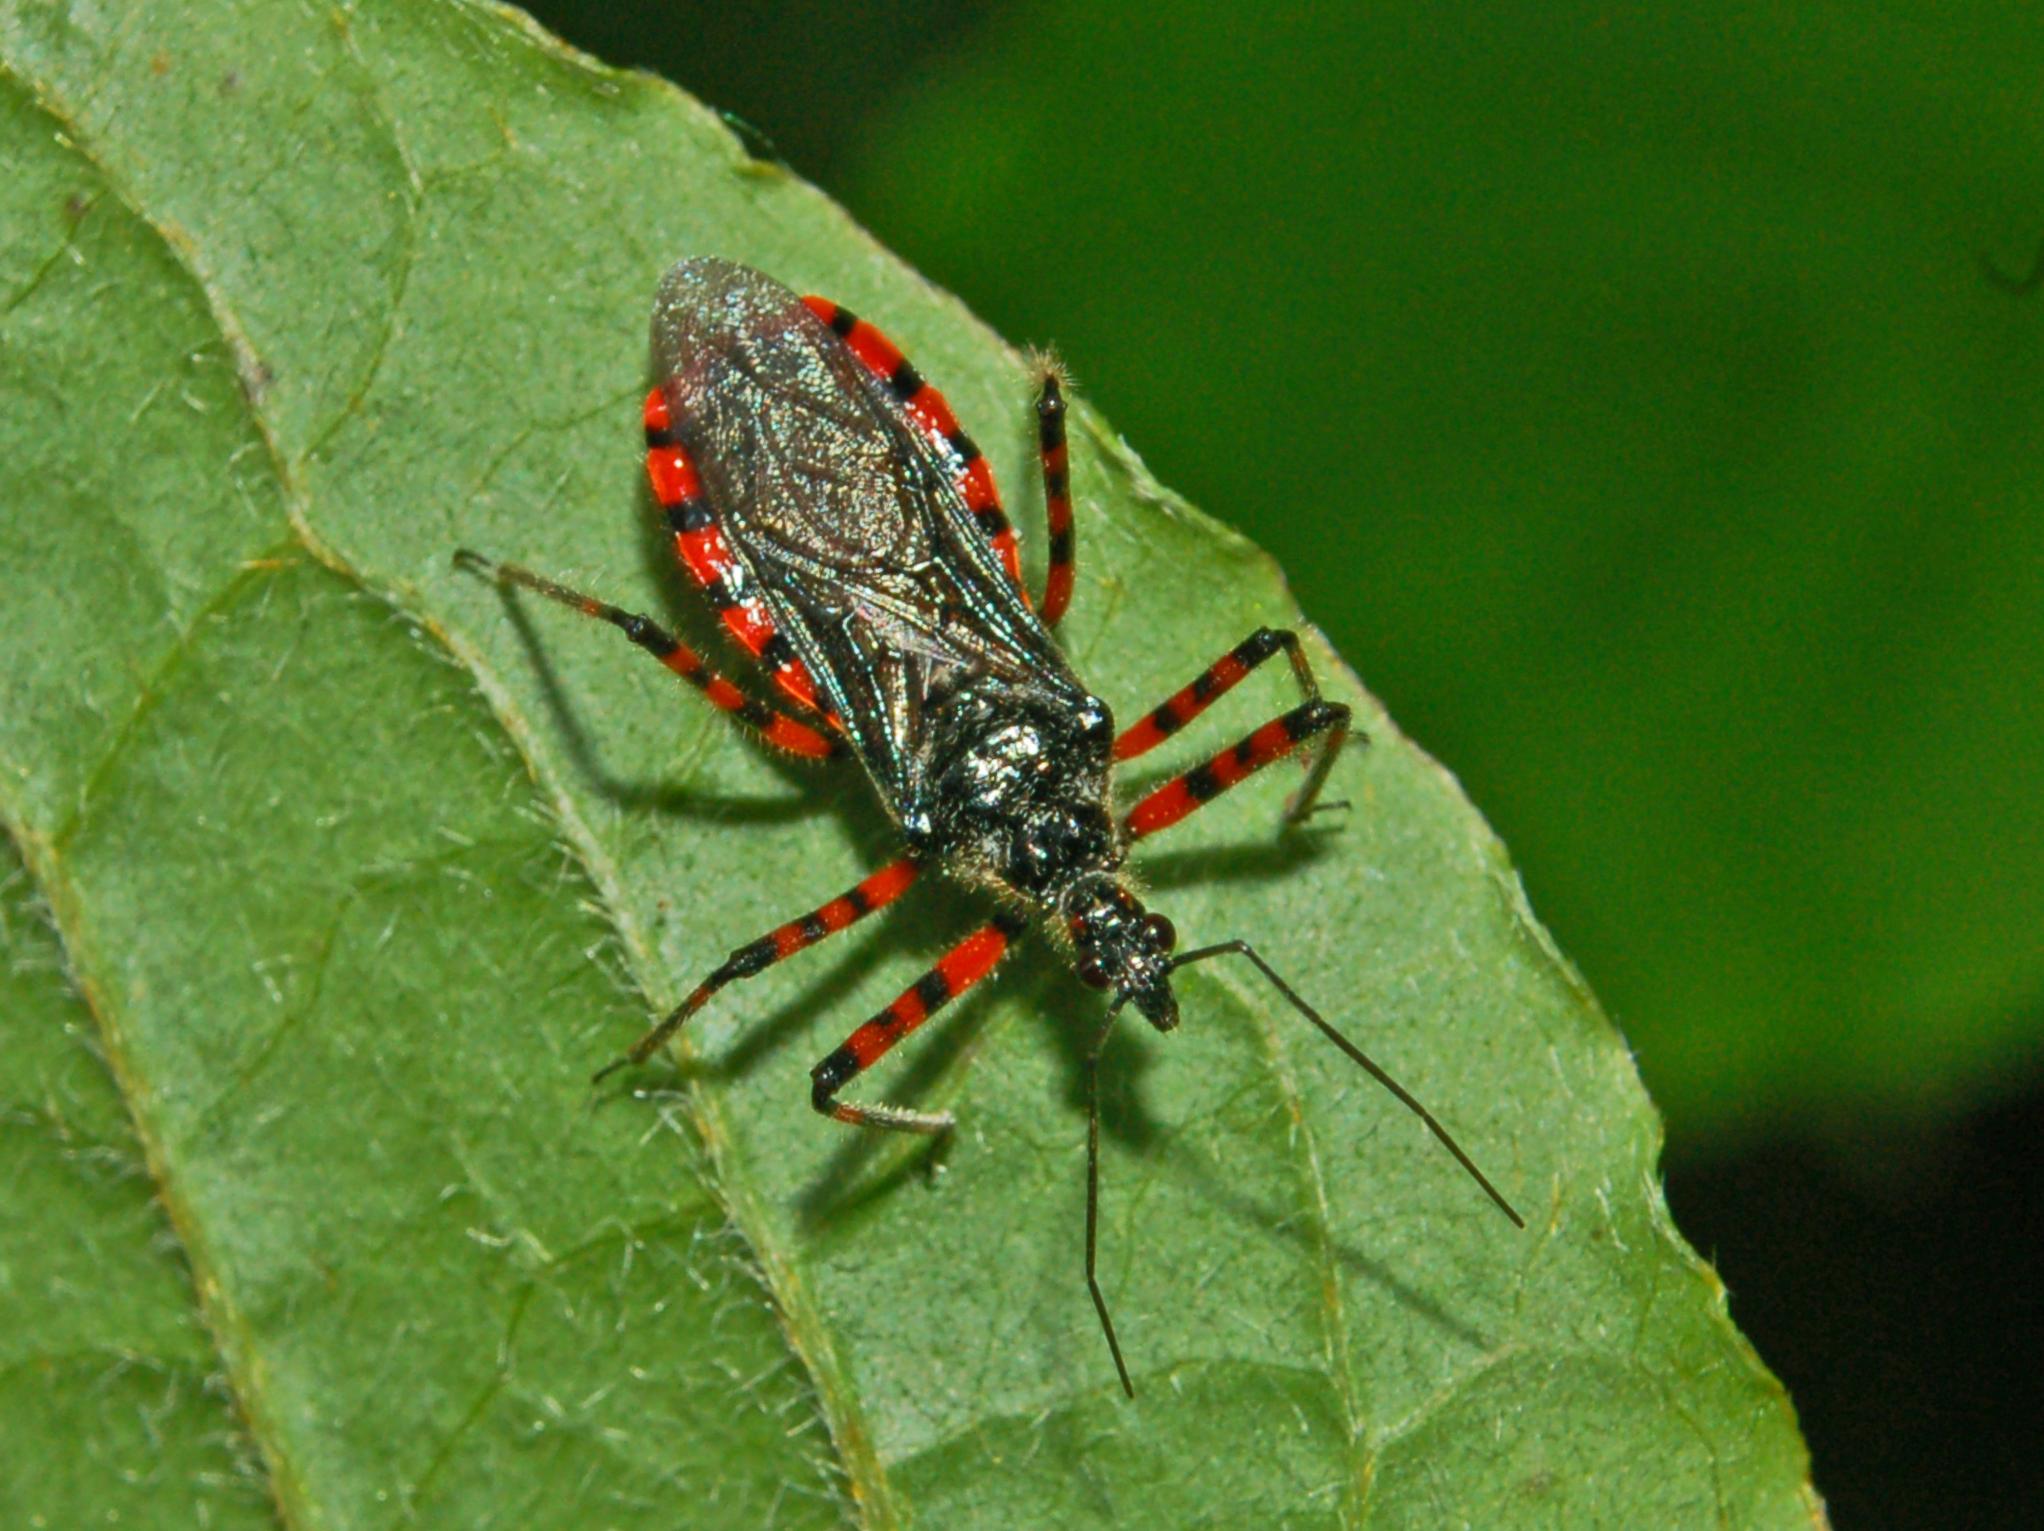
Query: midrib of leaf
point(807, 1334)
point(69, 1105)
point(222, 1320)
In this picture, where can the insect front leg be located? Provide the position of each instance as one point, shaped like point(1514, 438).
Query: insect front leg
point(849, 907)
point(770, 723)
point(955, 972)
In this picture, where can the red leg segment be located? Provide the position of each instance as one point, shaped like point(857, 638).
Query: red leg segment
point(876, 892)
point(699, 543)
point(929, 409)
point(1221, 677)
point(776, 727)
point(1057, 491)
point(956, 971)
point(1309, 721)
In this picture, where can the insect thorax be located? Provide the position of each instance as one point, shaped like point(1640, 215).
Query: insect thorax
point(1018, 787)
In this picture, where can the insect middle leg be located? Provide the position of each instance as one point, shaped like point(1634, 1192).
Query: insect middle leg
point(1317, 723)
point(955, 972)
point(849, 907)
point(1215, 682)
point(770, 723)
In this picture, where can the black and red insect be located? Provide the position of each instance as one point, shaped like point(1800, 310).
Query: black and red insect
point(848, 532)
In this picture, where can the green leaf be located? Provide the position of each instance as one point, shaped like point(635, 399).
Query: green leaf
point(1624, 391)
point(294, 304)
point(111, 1388)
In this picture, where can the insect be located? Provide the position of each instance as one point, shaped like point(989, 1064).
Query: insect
point(848, 532)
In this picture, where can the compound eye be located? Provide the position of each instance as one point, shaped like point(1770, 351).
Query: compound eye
point(1091, 973)
point(1159, 934)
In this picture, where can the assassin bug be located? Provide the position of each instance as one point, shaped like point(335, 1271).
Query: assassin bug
point(848, 532)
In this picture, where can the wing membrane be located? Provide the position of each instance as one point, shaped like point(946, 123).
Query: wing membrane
point(847, 516)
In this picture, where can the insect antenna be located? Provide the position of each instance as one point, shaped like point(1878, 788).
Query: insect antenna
point(1093, 1188)
point(1362, 1059)
point(1370, 1066)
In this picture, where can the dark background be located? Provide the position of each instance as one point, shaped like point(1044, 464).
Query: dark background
point(1675, 387)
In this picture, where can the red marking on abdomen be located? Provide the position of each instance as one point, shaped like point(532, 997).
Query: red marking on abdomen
point(795, 679)
point(880, 354)
point(709, 559)
point(932, 411)
point(672, 475)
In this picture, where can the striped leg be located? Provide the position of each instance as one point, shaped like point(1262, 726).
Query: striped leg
point(929, 409)
point(1057, 489)
point(1221, 677)
point(699, 543)
point(876, 892)
point(956, 971)
point(1313, 720)
point(772, 725)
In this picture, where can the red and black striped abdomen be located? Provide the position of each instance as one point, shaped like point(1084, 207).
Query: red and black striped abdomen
point(699, 544)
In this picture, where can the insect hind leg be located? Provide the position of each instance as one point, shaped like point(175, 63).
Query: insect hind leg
point(1052, 454)
point(874, 893)
point(774, 726)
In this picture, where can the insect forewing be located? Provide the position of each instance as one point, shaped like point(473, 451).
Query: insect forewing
point(846, 516)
